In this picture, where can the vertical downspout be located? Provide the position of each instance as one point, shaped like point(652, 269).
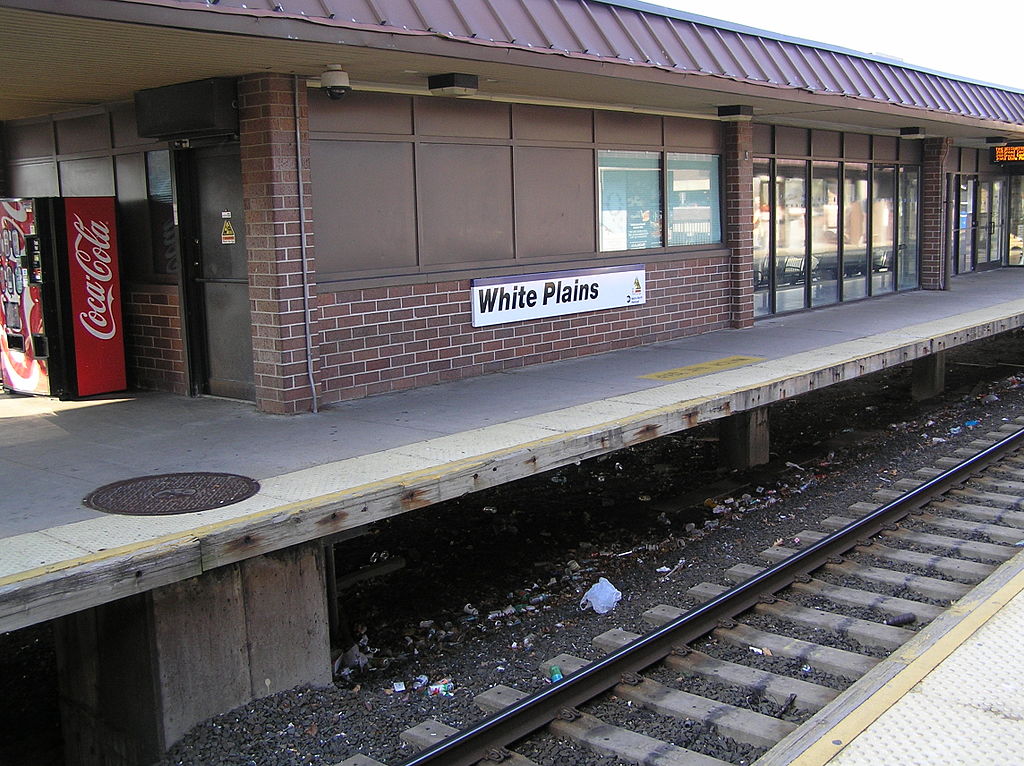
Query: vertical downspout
point(302, 248)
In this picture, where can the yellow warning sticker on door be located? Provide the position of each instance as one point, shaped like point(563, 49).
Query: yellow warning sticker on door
point(227, 233)
point(704, 368)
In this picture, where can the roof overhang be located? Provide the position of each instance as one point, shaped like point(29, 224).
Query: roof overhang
point(61, 57)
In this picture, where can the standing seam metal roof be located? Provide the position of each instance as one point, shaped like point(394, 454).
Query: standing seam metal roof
point(639, 34)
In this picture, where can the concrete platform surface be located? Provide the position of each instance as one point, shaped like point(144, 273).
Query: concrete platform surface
point(363, 460)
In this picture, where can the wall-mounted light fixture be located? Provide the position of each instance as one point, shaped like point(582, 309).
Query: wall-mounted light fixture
point(453, 84)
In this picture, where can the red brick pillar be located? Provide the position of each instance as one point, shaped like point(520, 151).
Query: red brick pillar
point(270, 184)
point(738, 166)
point(933, 213)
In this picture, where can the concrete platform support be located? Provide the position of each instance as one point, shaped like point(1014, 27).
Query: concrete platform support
point(934, 269)
point(738, 166)
point(744, 438)
point(928, 376)
point(137, 673)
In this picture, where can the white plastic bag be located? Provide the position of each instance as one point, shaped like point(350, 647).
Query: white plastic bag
point(602, 596)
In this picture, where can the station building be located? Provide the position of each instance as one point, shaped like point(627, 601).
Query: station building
point(323, 200)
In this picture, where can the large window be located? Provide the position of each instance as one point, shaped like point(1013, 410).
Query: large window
point(790, 234)
point(908, 249)
point(883, 232)
point(824, 233)
point(630, 190)
point(693, 200)
point(830, 231)
point(855, 230)
point(634, 195)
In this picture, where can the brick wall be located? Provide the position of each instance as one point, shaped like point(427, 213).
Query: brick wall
point(933, 213)
point(154, 337)
point(392, 338)
point(270, 187)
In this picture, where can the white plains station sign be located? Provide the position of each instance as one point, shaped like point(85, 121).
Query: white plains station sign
point(497, 300)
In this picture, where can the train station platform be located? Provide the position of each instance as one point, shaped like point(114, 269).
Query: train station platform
point(140, 601)
point(330, 473)
point(954, 695)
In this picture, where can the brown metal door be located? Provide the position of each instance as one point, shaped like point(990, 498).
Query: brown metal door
point(217, 275)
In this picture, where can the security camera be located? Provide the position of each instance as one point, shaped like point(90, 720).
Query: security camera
point(334, 82)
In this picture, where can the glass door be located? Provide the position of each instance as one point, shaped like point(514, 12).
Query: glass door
point(1015, 235)
point(966, 223)
point(990, 235)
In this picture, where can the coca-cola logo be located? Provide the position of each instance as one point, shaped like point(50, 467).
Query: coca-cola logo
point(92, 251)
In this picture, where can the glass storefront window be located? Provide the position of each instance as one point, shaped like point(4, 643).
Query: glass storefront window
point(790, 234)
point(824, 233)
point(693, 200)
point(883, 232)
point(908, 251)
point(855, 230)
point(762, 211)
point(630, 192)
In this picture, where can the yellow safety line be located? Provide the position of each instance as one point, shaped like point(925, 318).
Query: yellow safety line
point(844, 732)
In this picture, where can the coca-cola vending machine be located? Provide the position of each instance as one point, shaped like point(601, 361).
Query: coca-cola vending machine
point(60, 324)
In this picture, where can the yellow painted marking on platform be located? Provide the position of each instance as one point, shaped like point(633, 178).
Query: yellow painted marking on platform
point(704, 368)
point(844, 732)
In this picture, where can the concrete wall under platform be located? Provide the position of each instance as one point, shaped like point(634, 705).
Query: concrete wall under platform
point(137, 673)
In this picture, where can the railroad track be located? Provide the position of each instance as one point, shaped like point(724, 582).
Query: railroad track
point(757, 670)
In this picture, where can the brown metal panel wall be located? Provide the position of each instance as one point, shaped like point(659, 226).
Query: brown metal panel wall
point(857, 146)
point(696, 135)
point(33, 179)
point(360, 112)
point(93, 177)
point(461, 119)
point(123, 128)
point(365, 205)
point(826, 144)
point(83, 134)
point(792, 141)
point(884, 147)
point(626, 128)
point(555, 212)
point(552, 123)
point(763, 139)
point(911, 151)
point(30, 139)
point(465, 203)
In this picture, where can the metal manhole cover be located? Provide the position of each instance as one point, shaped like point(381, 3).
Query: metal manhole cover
point(172, 493)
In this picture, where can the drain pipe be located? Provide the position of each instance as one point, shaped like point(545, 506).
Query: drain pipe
point(302, 248)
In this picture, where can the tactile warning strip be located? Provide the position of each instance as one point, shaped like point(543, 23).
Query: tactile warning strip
point(969, 710)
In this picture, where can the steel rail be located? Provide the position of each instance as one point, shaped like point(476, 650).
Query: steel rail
point(472, 745)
